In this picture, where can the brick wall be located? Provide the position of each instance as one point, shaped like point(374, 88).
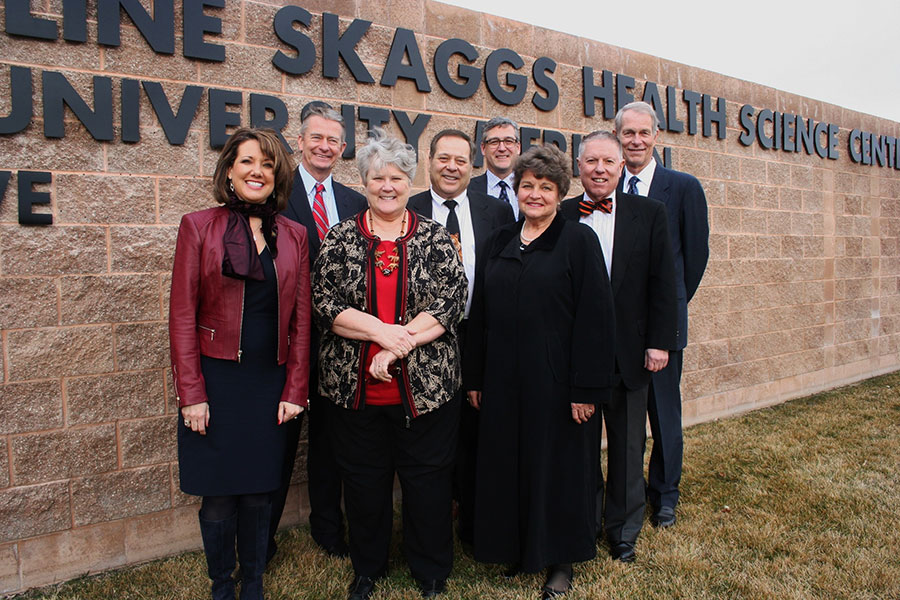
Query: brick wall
point(801, 292)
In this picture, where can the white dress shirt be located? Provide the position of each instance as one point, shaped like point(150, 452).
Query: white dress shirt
point(604, 225)
point(493, 189)
point(439, 213)
point(645, 178)
point(309, 184)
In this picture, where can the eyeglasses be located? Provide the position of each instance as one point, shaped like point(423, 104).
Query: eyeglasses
point(495, 142)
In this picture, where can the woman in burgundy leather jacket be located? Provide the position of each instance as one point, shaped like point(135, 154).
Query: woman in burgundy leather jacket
point(239, 337)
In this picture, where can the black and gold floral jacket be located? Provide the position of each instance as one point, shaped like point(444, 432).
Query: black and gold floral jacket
point(432, 281)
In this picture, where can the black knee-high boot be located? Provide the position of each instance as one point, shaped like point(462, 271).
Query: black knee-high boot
point(218, 544)
point(252, 543)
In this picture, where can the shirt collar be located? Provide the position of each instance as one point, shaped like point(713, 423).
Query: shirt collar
point(645, 174)
point(493, 179)
point(439, 200)
point(309, 182)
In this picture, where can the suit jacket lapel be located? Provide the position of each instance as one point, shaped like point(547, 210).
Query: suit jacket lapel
point(342, 200)
point(299, 204)
point(421, 203)
point(659, 187)
point(481, 225)
point(623, 241)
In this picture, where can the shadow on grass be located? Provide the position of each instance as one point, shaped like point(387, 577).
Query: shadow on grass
point(793, 501)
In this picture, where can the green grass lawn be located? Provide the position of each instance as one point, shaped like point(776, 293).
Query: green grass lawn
point(795, 501)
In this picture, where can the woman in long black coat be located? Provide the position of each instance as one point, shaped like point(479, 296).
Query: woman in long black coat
point(539, 358)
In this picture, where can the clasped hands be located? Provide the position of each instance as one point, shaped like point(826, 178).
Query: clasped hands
point(396, 342)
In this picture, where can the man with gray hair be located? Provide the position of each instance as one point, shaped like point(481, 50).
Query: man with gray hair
point(637, 127)
point(632, 231)
point(318, 202)
point(501, 147)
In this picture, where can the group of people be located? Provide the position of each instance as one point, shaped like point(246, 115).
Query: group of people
point(466, 340)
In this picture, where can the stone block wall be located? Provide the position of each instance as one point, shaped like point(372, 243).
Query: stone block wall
point(802, 292)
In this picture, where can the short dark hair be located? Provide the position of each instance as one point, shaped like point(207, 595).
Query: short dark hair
point(271, 148)
point(452, 133)
point(547, 162)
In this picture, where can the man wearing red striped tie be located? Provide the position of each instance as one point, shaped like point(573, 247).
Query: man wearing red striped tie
point(318, 202)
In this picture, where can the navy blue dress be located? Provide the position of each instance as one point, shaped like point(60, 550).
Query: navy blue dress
point(243, 449)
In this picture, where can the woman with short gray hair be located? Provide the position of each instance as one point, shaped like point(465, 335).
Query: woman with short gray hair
point(389, 293)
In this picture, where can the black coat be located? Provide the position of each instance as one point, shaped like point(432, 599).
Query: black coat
point(541, 336)
point(688, 231)
point(643, 283)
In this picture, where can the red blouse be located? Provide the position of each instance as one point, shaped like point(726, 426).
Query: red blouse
point(380, 393)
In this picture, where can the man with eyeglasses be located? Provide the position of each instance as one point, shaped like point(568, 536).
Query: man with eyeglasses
point(500, 146)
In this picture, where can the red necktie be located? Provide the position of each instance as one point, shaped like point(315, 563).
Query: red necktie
point(587, 206)
point(320, 215)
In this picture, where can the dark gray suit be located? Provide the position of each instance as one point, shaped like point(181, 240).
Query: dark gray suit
point(643, 288)
point(478, 184)
point(488, 213)
point(685, 205)
point(326, 521)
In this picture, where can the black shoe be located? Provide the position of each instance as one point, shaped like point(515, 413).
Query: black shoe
point(559, 580)
point(623, 552)
point(663, 517)
point(339, 550)
point(511, 571)
point(361, 588)
point(432, 587)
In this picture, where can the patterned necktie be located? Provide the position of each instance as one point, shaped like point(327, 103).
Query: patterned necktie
point(503, 195)
point(452, 219)
point(320, 215)
point(632, 185)
point(587, 206)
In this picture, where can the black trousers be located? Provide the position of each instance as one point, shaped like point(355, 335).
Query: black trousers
point(466, 451)
point(373, 444)
point(664, 409)
point(326, 519)
point(621, 501)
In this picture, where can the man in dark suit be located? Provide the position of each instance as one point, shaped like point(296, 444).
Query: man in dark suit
point(501, 147)
point(637, 128)
point(318, 202)
point(470, 217)
point(633, 235)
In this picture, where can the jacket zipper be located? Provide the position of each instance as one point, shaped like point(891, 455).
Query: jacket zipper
point(241, 324)
point(175, 383)
point(212, 332)
point(278, 312)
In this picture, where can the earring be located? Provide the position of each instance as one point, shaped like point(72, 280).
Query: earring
point(230, 184)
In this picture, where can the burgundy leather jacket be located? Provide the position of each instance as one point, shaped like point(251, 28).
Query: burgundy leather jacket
point(206, 308)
